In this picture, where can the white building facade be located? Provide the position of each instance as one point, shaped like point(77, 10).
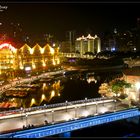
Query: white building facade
point(88, 44)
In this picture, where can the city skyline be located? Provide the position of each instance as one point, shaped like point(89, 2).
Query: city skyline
point(58, 18)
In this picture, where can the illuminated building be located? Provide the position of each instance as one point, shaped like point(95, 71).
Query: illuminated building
point(26, 58)
point(133, 76)
point(88, 44)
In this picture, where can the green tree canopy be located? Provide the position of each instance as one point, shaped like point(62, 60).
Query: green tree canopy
point(119, 85)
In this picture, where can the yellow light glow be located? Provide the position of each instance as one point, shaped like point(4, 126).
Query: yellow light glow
point(21, 67)
point(11, 61)
point(52, 93)
point(31, 50)
point(43, 97)
point(51, 50)
point(54, 62)
point(33, 101)
point(44, 84)
point(33, 65)
point(58, 61)
point(44, 64)
point(42, 50)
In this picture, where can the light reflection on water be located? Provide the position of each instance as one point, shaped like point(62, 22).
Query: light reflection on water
point(43, 95)
point(72, 88)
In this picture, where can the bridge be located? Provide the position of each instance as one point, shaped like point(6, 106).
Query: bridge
point(62, 118)
point(75, 55)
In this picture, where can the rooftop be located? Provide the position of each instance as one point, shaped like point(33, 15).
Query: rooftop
point(134, 71)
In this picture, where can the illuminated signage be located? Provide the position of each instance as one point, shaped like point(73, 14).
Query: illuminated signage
point(7, 45)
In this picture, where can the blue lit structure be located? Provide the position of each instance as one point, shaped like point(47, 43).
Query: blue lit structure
point(72, 125)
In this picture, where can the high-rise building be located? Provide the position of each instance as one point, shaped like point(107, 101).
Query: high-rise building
point(70, 37)
point(88, 44)
point(120, 41)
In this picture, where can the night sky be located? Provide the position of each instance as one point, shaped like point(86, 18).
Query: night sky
point(57, 18)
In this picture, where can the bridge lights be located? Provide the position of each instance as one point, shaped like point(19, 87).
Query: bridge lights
point(85, 102)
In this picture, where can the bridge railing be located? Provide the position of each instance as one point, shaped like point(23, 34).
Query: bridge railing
point(3, 113)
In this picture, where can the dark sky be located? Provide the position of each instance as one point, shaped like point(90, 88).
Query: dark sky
point(57, 18)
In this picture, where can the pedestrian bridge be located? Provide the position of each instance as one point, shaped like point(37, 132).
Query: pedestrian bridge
point(73, 125)
point(76, 122)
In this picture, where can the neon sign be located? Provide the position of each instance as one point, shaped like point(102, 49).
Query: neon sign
point(7, 45)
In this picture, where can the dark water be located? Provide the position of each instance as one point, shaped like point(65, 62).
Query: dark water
point(74, 86)
point(76, 89)
point(71, 86)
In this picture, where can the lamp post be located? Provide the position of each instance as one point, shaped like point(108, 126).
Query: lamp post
point(52, 117)
point(75, 112)
point(21, 109)
point(96, 108)
point(85, 102)
point(103, 100)
point(66, 105)
point(45, 108)
point(26, 119)
point(114, 105)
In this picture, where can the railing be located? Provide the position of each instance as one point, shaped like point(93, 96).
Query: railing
point(3, 113)
point(73, 125)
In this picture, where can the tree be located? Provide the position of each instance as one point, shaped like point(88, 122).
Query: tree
point(118, 86)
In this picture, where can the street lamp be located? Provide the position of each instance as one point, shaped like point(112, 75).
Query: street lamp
point(21, 109)
point(85, 102)
point(66, 105)
point(96, 108)
point(103, 100)
point(138, 88)
point(75, 112)
point(114, 105)
point(45, 108)
point(52, 117)
point(26, 119)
